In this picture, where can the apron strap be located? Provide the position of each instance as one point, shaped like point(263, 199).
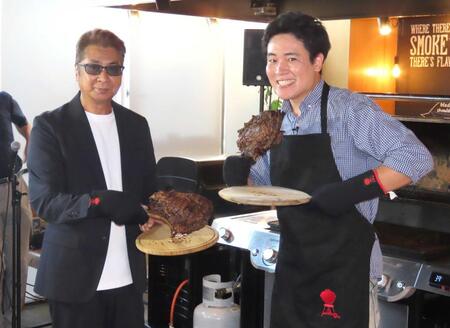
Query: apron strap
point(323, 107)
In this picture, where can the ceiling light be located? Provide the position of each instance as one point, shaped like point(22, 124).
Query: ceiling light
point(384, 25)
point(396, 68)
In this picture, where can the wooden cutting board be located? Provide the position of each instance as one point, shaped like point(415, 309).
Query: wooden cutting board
point(158, 241)
point(264, 195)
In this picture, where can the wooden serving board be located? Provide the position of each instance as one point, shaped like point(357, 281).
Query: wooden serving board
point(158, 241)
point(264, 195)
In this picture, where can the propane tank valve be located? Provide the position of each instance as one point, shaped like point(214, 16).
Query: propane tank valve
point(218, 309)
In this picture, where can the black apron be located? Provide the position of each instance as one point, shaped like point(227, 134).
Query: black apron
point(322, 272)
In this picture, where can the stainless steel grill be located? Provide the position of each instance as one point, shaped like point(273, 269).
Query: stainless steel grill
point(405, 269)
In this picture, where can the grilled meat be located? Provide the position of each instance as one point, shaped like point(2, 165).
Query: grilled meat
point(260, 133)
point(183, 212)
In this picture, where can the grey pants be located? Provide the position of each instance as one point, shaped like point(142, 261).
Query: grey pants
point(6, 248)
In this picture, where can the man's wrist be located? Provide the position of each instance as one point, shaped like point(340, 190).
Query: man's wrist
point(377, 178)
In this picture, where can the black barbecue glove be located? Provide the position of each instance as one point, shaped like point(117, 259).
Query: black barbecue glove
point(121, 207)
point(236, 170)
point(337, 198)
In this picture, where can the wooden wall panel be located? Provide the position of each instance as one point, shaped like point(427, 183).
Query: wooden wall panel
point(371, 58)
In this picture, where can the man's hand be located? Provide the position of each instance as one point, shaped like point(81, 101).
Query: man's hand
point(151, 222)
point(120, 207)
point(337, 198)
point(236, 170)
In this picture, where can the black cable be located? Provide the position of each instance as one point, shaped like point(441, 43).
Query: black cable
point(34, 297)
point(3, 256)
point(16, 297)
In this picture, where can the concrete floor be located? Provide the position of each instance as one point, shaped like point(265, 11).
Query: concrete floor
point(35, 315)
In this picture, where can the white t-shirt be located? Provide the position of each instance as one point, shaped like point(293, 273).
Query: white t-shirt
point(116, 271)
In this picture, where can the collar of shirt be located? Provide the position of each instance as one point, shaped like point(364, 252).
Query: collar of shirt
point(291, 124)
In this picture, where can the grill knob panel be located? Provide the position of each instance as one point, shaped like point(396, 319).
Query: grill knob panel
point(226, 235)
point(384, 281)
point(269, 256)
point(400, 285)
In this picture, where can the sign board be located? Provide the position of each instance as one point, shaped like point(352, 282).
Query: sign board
point(423, 51)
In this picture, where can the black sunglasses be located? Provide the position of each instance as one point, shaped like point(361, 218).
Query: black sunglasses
point(96, 69)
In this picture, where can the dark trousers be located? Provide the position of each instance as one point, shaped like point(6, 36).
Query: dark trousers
point(113, 308)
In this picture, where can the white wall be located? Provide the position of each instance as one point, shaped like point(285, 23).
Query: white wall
point(335, 71)
point(241, 102)
point(1, 26)
point(183, 73)
point(176, 81)
point(38, 48)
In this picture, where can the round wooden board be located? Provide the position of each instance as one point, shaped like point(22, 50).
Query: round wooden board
point(264, 195)
point(158, 241)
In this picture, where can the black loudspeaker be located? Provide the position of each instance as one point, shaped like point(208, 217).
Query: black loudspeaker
point(254, 59)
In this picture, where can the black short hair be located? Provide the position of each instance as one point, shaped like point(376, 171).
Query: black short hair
point(305, 28)
point(99, 37)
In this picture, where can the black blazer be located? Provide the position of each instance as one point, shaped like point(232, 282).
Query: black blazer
point(64, 167)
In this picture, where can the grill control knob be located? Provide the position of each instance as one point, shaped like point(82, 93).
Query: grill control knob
point(269, 256)
point(226, 235)
point(400, 285)
point(382, 283)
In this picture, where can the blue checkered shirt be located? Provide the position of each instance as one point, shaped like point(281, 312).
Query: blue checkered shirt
point(363, 137)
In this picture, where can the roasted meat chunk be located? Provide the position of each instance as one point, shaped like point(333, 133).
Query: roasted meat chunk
point(183, 212)
point(260, 133)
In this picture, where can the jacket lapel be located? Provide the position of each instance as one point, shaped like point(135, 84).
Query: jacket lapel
point(81, 130)
point(126, 146)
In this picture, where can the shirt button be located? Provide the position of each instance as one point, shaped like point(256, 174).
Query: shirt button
point(103, 237)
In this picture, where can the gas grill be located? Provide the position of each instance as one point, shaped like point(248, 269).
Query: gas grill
point(414, 234)
point(414, 237)
point(252, 232)
point(415, 241)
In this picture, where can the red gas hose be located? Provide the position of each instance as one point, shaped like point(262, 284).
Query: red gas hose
point(174, 300)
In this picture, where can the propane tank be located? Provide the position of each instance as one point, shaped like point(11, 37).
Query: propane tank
point(217, 309)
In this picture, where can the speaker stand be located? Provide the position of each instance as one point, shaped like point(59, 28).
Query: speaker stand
point(261, 98)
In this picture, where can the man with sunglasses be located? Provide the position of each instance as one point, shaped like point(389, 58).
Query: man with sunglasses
point(92, 165)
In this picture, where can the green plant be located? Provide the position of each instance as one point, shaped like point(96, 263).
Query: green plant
point(271, 104)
